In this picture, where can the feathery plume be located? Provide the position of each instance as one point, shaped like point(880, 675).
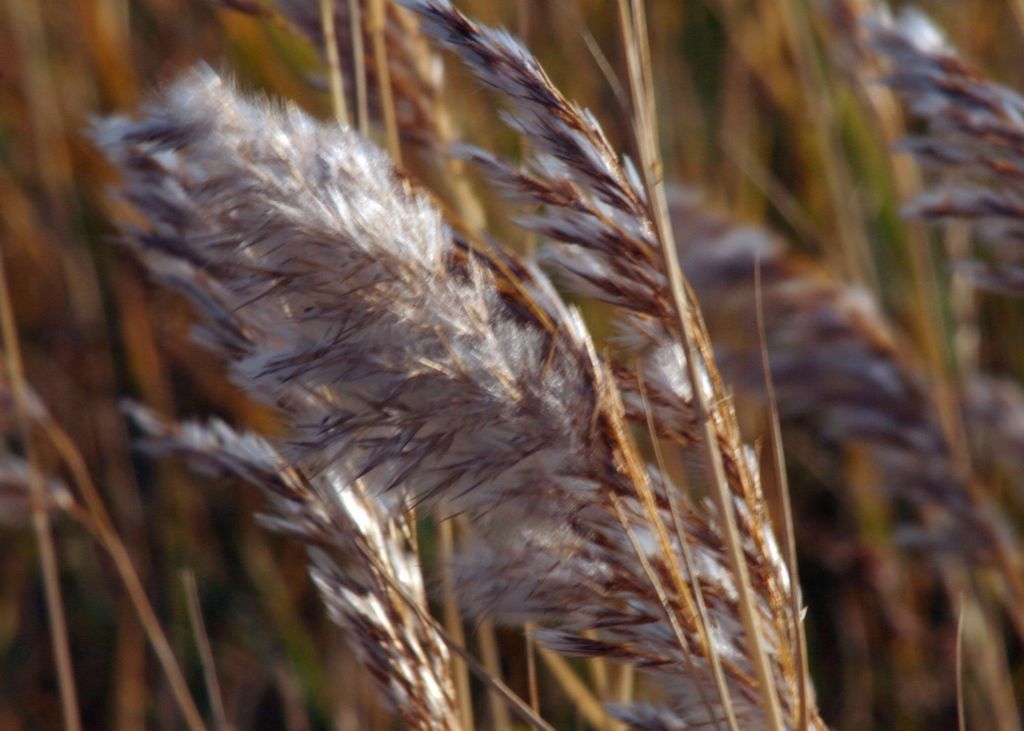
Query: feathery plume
point(596, 215)
point(594, 209)
point(436, 373)
point(357, 558)
point(414, 78)
point(974, 139)
point(325, 507)
point(835, 361)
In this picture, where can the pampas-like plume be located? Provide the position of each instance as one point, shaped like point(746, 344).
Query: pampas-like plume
point(327, 507)
point(605, 246)
point(974, 140)
point(597, 215)
point(358, 559)
point(834, 359)
point(436, 373)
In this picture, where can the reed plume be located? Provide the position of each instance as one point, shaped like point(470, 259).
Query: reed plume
point(595, 212)
point(435, 372)
point(324, 505)
point(408, 96)
point(973, 143)
point(835, 359)
point(358, 559)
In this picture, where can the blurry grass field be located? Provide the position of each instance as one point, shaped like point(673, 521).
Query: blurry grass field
point(764, 105)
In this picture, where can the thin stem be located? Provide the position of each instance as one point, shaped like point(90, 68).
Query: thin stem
point(115, 548)
point(626, 684)
point(355, 21)
point(531, 668)
point(598, 670)
point(491, 655)
point(844, 198)
point(1018, 13)
point(377, 27)
point(960, 715)
point(40, 512)
point(453, 620)
point(337, 82)
point(789, 534)
point(195, 616)
point(583, 701)
point(633, 25)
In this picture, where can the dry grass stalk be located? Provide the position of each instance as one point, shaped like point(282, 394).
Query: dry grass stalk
point(633, 26)
point(202, 640)
point(437, 374)
point(377, 27)
point(94, 517)
point(405, 78)
point(452, 618)
point(355, 13)
point(783, 500)
point(39, 501)
point(330, 45)
point(845, 200)
point(413, 71)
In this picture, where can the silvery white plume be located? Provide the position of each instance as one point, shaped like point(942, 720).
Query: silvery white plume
point(429, 371)
point(358, 559)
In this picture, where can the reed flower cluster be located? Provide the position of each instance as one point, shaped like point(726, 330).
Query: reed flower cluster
point(417, 368)
point(973, 142)
point(552, 438)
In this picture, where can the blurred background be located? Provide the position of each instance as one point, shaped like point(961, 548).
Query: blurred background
point(773, 109)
